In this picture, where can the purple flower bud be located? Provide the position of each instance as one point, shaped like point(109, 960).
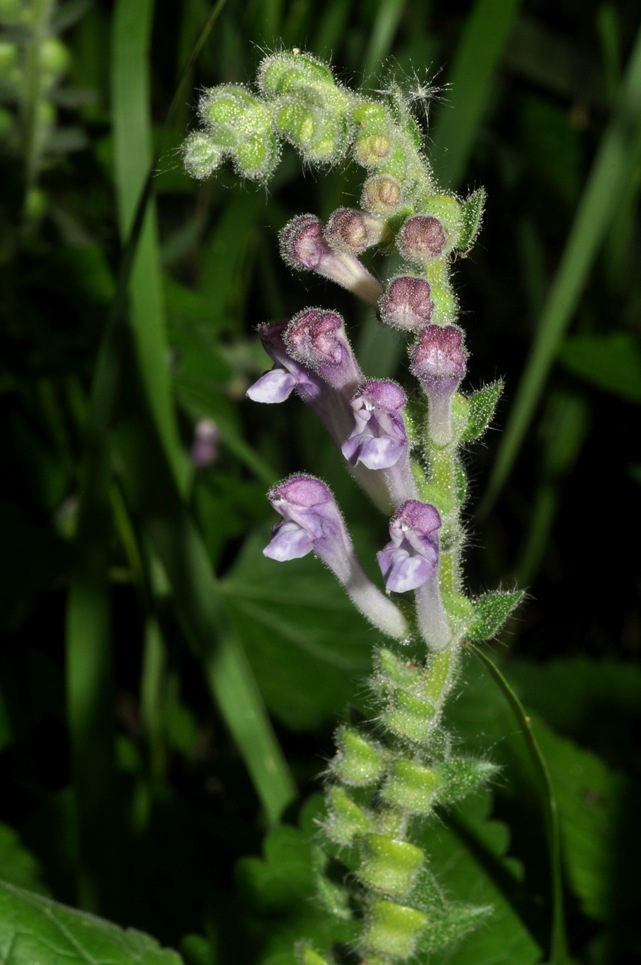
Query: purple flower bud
point(410, 559)
point(204, 449)
point(438, 358)
point(407, 303)
point(379, 438)
point(312, 523)
point(286, 375)
point(317, 339)
point(353, 231)
point(421, 238)
point(303, 245)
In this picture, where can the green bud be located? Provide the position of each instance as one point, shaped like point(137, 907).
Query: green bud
point(389, 865)
point(231, 115)
point(395, 671)
point(289, 71)
point(382, 195)
point(313, 126)
point(345, 820)
point(411, 787)
point(358, 762)
point(393, 929)
point(257, 156)
point(201, 156)
point(445, 306)
point(54, 59)
point(307, 956)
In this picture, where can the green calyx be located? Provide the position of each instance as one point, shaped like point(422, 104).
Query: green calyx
point(359, 761)
point(411, 787)
point(393, 929)
point(389, 865)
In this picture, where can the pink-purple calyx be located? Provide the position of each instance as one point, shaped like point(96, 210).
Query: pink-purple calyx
point(317, 339)
point(407, 303)
point(438, 358)
point(303, 245)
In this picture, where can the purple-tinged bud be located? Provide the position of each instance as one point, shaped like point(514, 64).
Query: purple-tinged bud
point(204, 449)
point(313, 523)
point(438, 360)
point(353, 231)
point(410, 562)
point(410, 559)
point(421, 238)
point(287, 374)
point(379, 438)
point(303, 245)
point(407, 303)
point(317, 339)
point(382, 194)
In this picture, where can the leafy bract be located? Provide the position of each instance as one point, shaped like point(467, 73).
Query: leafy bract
point(482, 405)
point(490, 613)
point(35, 929)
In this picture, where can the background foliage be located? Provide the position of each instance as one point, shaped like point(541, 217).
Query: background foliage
point(166, 693)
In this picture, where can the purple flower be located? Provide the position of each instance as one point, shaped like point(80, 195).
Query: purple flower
point(379, 438)
point(312, 523)
point(287, 374)
point(204, 449)
point(410, 559)
point(317, 339)
point(438, 358)
point(303, 245)
point(421, 238)
point(407, 302)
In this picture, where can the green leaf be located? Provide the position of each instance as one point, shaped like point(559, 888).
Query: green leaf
point(19, 866)
point(472, 218)
point(290, 612)
point(467, 854)
point(482, 405)
point(492, 610)
point(35, 929)
point(611, 362)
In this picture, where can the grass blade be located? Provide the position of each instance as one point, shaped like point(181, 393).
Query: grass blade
point(558, 939)
point(479, 51)
point(615, 166)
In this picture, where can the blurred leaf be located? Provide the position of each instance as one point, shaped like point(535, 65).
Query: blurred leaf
point(34, 929)
point(19, 866)
point(610, 362)
point(300, 628)
point(467, 854)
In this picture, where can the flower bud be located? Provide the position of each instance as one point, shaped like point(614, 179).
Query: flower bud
point(303, 245)
point(421, 238)
point(438, 358)
point(317, 339)
point(201, 156)
point(353, 231)
point(382, 195)
point(407, 303)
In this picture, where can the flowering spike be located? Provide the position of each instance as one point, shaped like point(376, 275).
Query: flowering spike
point(312, 523)
point(303, 245)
